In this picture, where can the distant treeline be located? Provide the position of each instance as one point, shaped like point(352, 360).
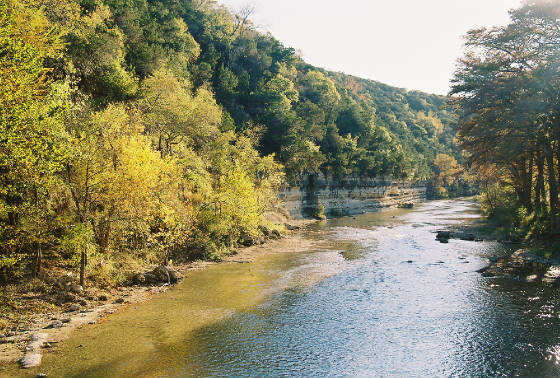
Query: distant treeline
point(507, 92)
point(132, 131)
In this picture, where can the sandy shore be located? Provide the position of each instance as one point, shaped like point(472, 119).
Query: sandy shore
point(44, 330)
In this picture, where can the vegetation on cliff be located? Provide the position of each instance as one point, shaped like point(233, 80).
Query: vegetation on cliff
point(139, 131)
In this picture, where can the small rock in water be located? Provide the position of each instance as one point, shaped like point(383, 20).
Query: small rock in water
point(92, 322)
point(443, 235)
point(468, 237)
point(41, 375)
point(119, 300)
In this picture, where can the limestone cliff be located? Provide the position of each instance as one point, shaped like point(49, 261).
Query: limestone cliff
point(315, 194)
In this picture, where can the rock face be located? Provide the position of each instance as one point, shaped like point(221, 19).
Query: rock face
point(315, 194)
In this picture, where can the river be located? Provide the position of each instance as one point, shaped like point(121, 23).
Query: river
point(371, 296)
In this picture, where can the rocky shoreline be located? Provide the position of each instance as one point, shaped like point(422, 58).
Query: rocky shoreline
point(525, 266)
point(84, 308)
point(521, 264)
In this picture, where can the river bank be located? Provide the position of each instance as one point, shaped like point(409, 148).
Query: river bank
point(368, 295)
point(45, 324)
point(530, 261)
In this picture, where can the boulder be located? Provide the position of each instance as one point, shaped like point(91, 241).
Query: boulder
point(137, 279)
point(165, 274)
point(73, 307)
point(159, 275)
point(444, 235)
point(150, 278)
point(265, 231)
point(76, 288)
point(247, 240)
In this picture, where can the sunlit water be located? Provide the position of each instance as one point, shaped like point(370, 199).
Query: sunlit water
point(396, 303)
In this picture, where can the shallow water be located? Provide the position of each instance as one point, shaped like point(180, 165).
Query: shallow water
point(377, 296)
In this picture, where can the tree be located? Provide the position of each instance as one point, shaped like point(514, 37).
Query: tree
point(507, 87)
point(30, 128)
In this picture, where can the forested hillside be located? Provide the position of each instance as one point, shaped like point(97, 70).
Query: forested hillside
point(134, 131)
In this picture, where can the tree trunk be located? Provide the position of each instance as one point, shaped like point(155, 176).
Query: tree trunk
point(553, 188)
point(527, 176)
point(523, 184)
point(83, 262)
point(539, 189)
point(38, 261)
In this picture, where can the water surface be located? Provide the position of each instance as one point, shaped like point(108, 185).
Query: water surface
point(375, 296)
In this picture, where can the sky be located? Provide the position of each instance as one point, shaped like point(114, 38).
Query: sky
point(412, 44)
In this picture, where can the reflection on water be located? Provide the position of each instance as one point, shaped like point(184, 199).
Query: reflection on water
point(396, 303)
point(408, 307)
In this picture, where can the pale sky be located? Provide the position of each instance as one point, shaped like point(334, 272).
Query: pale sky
point(411, 44)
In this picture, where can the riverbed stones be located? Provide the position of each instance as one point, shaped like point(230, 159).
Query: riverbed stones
point(291, 227)
point(55, 324)
point(522, 265)
point(73, 307)
point(406, 205)
point(33, 356)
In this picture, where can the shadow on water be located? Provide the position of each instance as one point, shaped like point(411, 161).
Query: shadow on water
point(395, 303)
